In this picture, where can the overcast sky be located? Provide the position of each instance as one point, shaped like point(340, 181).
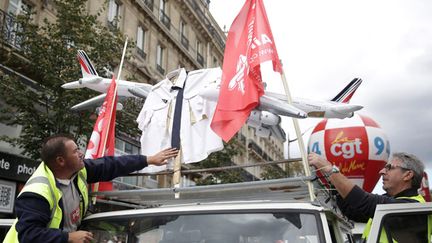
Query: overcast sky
point(325, 44)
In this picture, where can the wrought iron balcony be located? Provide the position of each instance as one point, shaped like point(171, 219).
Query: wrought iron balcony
point(160, 69)
point(185, 42)
point(207, 23)
point(141, 53)
point(9, 28)
point(165, 19)
point(149, 4)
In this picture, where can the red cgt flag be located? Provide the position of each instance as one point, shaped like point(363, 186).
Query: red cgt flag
point(249, 43)
point(102, 140)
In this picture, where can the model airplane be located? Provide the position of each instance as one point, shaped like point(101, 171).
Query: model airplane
point(265, 118)
point(90, 79)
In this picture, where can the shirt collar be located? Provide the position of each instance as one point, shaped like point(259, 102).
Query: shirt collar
point(179, 82)
point(410, 192)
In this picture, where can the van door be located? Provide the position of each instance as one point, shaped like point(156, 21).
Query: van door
point(405, 222)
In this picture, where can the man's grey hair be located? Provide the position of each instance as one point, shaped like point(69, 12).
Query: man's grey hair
point(411, 162)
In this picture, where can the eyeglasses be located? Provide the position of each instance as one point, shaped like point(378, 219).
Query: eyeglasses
point(391, 167)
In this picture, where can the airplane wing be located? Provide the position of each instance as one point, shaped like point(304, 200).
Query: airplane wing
point(90, 103)
point(280, 108)
point(267, 103)
point(141, 91)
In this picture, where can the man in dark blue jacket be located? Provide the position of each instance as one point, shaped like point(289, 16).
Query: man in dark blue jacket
point(55, 199)
point(402, 177)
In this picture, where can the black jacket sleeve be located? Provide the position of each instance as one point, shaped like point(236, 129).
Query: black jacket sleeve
point(110, 167)
point(33, 214)
point(360, 205)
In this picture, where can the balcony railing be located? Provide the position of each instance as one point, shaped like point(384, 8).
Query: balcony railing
point(176, 34)
point(149, 4)
point(165, 19)
point(160, 69)
point(185, 42)
point(256, 148)
point(141, 53)
point(206, 22)
point(9, 27)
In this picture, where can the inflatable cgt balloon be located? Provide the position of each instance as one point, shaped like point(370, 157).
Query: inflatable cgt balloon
point(357, 145)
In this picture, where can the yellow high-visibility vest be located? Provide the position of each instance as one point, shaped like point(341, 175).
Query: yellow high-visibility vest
point(43, 183)
point(383, 235)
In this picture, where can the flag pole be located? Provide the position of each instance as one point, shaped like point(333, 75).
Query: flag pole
point(96, 185)
point(300, 139)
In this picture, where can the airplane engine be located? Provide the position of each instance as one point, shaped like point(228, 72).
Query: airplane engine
point(269, 118)
point(262, 132)
point(256, 118)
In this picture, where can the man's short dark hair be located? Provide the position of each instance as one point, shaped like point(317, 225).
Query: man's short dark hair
point(54, 146)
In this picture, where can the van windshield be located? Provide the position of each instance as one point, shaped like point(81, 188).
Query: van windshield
point(280, 227)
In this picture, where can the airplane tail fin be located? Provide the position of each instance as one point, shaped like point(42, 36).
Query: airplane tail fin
point(345, 95)
point(87, 67)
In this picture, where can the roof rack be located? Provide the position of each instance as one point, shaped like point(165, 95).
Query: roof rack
point(286, 189)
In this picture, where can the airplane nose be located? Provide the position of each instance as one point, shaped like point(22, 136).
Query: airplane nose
point(355, 108)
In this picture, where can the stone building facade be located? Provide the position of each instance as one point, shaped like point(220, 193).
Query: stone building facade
point(168, 34)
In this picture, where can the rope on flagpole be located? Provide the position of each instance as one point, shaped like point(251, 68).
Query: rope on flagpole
point(96, 185)
point(300, 139)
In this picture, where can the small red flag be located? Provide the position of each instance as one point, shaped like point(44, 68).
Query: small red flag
point(102, 140)
point(249, 43)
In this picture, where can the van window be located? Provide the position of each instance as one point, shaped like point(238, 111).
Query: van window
point(284, 227)
point(406, 227)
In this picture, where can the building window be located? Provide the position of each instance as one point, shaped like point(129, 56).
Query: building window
point(140, 42)
point(162, 5)
point(163, 17)
point(183, 28)
point(15, 8)
point(124, 148)
point(200, 58)
point(160, 50)
point(215, 62)
point(113, 13)
point(183, 34)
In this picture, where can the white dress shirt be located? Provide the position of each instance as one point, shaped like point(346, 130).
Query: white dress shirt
point(155, 119)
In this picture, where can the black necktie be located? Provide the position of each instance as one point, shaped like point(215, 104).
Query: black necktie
point(175, 136)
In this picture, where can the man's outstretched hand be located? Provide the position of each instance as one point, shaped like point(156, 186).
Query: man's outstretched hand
point(162, 157)
point(80, 236)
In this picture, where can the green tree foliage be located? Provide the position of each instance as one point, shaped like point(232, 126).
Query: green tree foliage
point(273, 172)
point(220, 159)
point(48, 56)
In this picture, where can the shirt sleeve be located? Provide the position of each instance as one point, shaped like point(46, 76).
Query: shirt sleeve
point(360, 205)
point(33, 213)
point(110, 167)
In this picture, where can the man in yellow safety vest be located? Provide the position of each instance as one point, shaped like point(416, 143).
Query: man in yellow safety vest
point(402, 177)
point(55, 198)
